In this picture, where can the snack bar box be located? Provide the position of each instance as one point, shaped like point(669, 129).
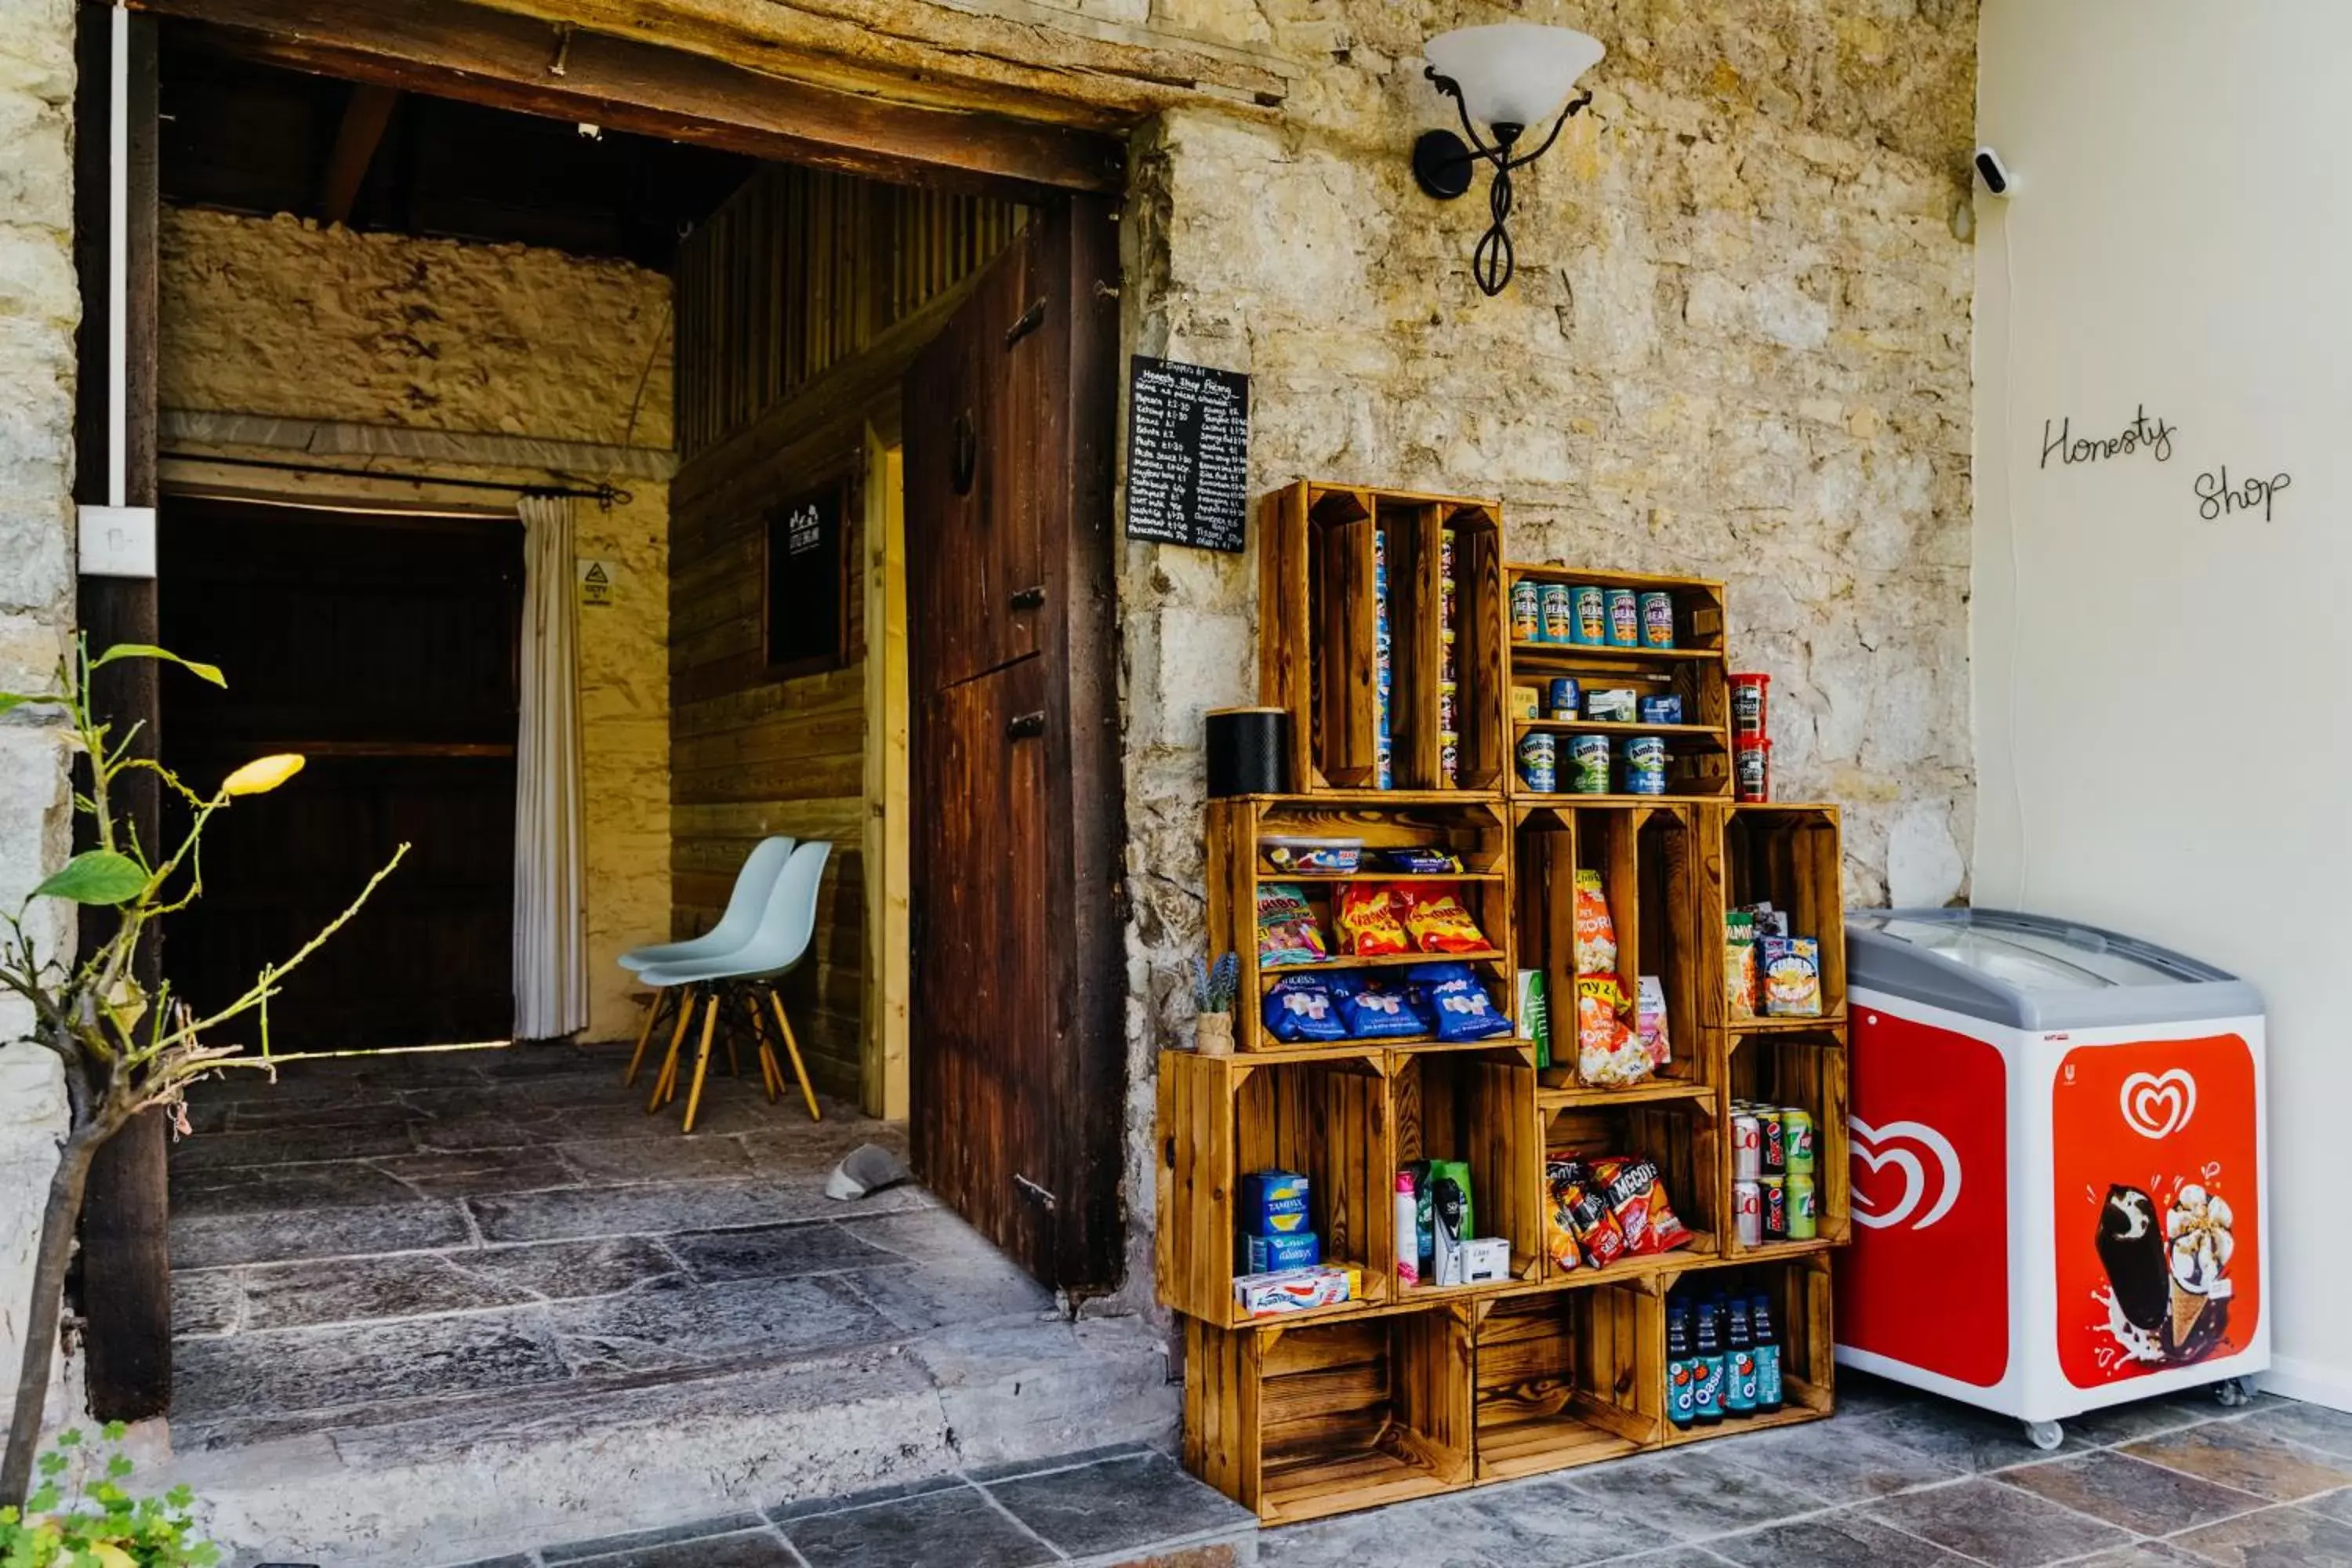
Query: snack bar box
point(2059, 1191)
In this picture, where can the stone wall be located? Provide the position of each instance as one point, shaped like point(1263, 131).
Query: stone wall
point(39, 305)
point(1738, 346)
point(487, 344)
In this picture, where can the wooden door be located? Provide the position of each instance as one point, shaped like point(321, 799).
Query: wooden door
point(385, 650)
point(1017, 1053)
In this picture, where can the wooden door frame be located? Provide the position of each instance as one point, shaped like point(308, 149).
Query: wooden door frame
point(453, 49)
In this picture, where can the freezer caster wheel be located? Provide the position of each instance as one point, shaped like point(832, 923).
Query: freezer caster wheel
point(2044, 1435)
point(2234, 1392)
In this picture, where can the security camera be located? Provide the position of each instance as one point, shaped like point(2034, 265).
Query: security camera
point(1995, 171)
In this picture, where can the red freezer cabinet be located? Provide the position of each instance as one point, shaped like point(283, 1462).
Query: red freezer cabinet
point(2059, 1192)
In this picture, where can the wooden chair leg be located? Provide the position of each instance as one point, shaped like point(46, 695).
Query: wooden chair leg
point(701, 1063)
point(666, 1080)
point(734, 1063)
point(653, 1011)
point(771, 1078)
point(791, 1047)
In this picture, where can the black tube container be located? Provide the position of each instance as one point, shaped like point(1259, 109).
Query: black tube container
point(1249, 750)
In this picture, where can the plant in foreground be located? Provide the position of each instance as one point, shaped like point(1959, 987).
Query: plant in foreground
point(124, 1051)
point(79, 1514)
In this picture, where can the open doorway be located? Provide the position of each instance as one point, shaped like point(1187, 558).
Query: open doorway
point(505, 1245)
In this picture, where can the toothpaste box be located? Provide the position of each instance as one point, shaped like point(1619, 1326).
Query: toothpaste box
point(1295, 1290)
point(1282, 1251)
point(1273, 1203)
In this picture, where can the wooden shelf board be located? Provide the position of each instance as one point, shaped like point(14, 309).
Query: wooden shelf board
point(1326, 798)
point(1716, 734)
point(1702, 1245)
point(1414, 1044)
point(1650, 1092)
point(1364, 1478)
point(1522, 1272)
point(1540, 1444)
point(1538, 652)
point(1733, 1426)
point(1551, 572)
point(1265, 876)
point(1384, 961)
point(1774, 1252)
point(1526, 801)
point(1824, 1022)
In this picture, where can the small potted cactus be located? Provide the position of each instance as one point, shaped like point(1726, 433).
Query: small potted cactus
point(1213, 988)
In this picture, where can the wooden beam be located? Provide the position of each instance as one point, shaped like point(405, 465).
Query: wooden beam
point(447, 49)
point(126, 1261)
point(356, 139)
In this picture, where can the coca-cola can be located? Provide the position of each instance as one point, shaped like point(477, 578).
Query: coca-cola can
point(1747, 1146)
point(1748, 1212)
point(1776, 1207)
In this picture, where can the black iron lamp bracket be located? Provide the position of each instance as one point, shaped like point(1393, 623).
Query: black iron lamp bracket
point(1443, 164)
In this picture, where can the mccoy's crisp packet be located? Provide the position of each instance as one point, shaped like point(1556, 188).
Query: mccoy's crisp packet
point(1297, 1290)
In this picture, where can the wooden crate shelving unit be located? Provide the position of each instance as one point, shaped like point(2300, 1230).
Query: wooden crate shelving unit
point(1411, 1391)
point(1315, 633)
point(1698, 750)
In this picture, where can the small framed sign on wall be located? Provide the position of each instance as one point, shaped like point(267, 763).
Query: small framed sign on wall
point(808, 582)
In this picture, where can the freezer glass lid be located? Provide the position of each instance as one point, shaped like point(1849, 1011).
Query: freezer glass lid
point(2031, 960)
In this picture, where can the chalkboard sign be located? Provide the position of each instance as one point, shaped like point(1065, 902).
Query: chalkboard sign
point(1187, 454)
point(808, 582)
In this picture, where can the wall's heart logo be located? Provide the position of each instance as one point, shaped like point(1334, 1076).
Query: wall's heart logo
point(1899, 1146)
point(2158, 1106)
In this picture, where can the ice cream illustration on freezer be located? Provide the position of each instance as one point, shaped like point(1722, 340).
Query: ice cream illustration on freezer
point(2132, 1250)
point(2168, 1278)
point(2197, 1245)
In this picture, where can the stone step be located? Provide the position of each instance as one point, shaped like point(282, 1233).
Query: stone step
point(483, 1478)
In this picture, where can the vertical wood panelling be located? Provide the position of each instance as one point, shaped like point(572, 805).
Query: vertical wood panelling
point(786, 301)
point(803, 269)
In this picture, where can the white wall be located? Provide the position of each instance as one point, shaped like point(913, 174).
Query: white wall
point(2159, 703)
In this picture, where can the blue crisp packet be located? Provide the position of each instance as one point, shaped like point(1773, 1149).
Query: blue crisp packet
point(1375, 1012)
point(1460, 1009)
point(1302, 1007)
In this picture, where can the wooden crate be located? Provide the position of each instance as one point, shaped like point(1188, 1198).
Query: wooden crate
point(1698, 750)
point(1648, 859)
point(1679, 1135)
point(1478, 1107)
point(1299, 1420)
point(1317, 630)
point(1562, 1379)
point(1807, 1070)
point(1788, 856)
point(1478, 831)
point(1221, 1116)
point(1800, 1289)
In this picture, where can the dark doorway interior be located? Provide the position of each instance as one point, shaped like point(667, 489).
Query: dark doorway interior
point(383, 649)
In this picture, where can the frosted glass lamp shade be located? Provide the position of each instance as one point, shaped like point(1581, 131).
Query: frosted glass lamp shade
point(1513, 73)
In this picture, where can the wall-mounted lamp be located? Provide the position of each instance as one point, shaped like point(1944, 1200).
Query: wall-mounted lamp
point(1506, 77)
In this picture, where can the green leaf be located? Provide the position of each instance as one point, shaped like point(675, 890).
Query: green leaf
point(94, 877)
point(118, 1467)
point(19, 698)
point(149, 650)
point(114, 1431)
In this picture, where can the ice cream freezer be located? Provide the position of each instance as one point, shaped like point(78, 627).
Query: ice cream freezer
point(2058, 1195)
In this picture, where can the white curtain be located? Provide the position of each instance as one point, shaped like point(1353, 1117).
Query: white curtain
point(550, 927)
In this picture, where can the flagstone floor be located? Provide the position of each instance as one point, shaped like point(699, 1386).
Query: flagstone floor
point(476, 1259)
point(1897, 1480)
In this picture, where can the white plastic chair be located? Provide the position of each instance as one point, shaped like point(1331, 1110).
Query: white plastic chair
point(745, 904)
point(775, 948)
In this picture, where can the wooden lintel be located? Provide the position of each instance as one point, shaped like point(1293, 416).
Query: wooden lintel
point(448, 49)
point(356, 139)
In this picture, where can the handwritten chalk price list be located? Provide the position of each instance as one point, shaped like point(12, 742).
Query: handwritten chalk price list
point(1187, 454)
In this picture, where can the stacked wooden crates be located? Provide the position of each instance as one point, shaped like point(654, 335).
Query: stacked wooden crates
point(1413, 1390)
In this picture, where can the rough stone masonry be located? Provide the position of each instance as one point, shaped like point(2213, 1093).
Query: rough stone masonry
point(39, 306)
point(1737, 346)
